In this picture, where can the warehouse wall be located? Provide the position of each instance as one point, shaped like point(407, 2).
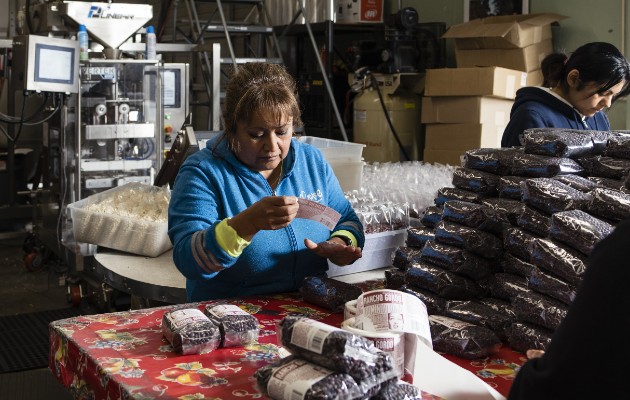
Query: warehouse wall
point(4, 19)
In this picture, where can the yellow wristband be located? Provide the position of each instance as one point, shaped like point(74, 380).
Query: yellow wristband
point(229, 240)
point(346, 236)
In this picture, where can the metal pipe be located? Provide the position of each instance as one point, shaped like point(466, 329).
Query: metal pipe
point(324, 70)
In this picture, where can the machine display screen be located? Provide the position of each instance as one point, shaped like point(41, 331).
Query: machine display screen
point(172, 92)
point(54, 64)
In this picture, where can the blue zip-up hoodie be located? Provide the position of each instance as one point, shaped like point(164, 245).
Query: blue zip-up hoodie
point(211, 188)
point(534, 107)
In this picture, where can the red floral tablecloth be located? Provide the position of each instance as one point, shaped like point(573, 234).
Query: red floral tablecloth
point(124, 355)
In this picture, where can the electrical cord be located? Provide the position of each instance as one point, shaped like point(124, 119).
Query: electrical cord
point(18, 120)
point(21, 121)
point(374, 84)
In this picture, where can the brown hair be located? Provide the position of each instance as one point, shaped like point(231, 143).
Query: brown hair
point(256, 86)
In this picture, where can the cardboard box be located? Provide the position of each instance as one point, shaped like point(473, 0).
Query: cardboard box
point(525, 59)
point(535, 78)
point(503, 32)
point(353, 11)
point(476, 81)
point(462, 137)
point(449, 157)
point(466, 109)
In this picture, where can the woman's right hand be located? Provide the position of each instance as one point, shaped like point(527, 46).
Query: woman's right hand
point(269, 213)
point(532, 353)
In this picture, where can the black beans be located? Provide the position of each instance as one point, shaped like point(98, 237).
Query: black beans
point(328, 293)
point(462, 339)
point(238, 328)
point(189, 331)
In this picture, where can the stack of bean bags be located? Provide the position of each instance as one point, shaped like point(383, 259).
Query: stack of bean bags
point(505, 248)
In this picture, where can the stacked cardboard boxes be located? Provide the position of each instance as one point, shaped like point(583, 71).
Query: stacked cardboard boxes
point(469, 106)
point(517, 42)
point(466, 108)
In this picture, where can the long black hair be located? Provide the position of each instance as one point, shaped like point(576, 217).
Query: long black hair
point(597, 62)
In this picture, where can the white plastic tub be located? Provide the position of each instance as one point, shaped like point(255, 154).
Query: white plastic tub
point(378, 252)
point(336, 150)
point(133, 235)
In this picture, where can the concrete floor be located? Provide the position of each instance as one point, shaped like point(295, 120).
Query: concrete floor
point(23, 291)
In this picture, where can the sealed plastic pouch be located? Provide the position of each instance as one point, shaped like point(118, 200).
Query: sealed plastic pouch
point(238, 327)
point(189, 331)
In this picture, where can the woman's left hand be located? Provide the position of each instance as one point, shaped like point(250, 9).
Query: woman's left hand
point(335, 250)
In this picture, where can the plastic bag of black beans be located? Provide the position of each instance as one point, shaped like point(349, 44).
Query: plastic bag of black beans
point(523, 336)
point(328, 293)
point(605, 167)
point(454, 259)
point(292, 377)
point(405, 256)
point(478, 314)
point(610, 204)
point(539, 309)
point(417, 237)
point(238, 327)
point(398, 391)
point(450, 193)
point(518, 243)
point(513, 265)
point(618, 146)
point(607, 183)
point(507, 210)
point(189, 331)
point(579, 230)
point(473, 215)
point(558, 259)
point(505, 286)
point(494, 160)
point(551, 196)
point(577, 182)
point(558, 143)
point(435, 304)
point(445, 284)
point(431, 216)
point(509, 187)
point(544, 283)
point(600, 139)
point(462, 339)
point(502, 306)
point(394, 279)
point(337, 350)
point(535, 166)
point(534, 221)
point(521, 137)
point(475, 181)
point(476, 241)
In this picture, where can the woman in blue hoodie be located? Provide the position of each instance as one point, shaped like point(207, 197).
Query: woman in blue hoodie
point(578, 89)
point(232, 215)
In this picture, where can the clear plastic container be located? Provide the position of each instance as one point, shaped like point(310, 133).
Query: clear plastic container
point(336, 150)
point(83, 38)
point(151, 43)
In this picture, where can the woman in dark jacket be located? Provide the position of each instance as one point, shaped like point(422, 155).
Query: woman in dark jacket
point(578, 89)
point(589, 352)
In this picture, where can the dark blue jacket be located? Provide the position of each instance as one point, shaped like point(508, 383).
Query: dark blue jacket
point(534, 107)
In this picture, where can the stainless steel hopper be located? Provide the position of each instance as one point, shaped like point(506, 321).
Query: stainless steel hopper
point(111, 24)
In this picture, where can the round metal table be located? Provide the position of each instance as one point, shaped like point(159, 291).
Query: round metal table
point(157, 278)
point(153, 278)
